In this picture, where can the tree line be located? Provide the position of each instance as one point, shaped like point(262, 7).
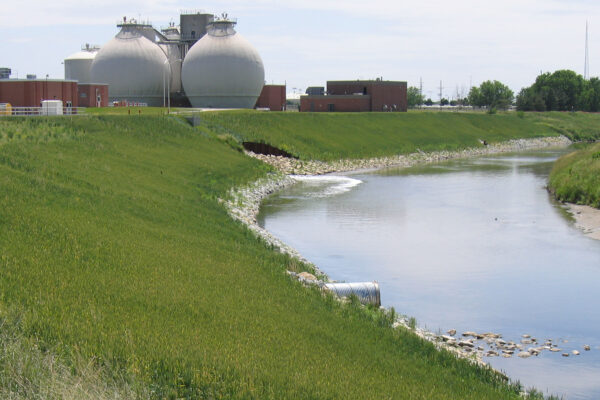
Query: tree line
point(562, 90)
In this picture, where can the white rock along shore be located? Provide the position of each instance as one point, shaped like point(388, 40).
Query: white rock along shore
point(243, 205)
point(299, 167)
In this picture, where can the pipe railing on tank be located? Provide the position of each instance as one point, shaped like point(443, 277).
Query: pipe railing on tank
point(192, 12)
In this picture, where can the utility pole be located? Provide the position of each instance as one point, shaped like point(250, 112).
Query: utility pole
point(421, 86)
point(441, 88)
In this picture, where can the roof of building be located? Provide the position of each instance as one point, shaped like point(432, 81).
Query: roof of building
point(371, 81)
point(38, 80)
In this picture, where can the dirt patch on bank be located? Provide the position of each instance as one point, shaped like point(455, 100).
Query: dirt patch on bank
point(587, 219)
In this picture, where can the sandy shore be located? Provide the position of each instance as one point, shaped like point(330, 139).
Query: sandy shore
point(586, 218)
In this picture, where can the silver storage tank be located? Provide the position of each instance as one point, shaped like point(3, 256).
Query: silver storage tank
point(222, 70)
point(78, 65)
point(134, 66)
point(173, 53)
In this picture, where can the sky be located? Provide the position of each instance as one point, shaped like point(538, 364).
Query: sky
point(307, 42)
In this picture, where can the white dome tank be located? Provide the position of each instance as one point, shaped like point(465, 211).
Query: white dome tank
point(222, 70)
point(134, 67)
point(78, 65)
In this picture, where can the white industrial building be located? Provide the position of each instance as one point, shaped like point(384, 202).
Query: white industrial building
point(203, 62)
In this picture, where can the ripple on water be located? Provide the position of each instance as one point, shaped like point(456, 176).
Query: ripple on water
point(324, 185)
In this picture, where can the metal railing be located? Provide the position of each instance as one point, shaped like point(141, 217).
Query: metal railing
point(437, 107)
point(39, 111)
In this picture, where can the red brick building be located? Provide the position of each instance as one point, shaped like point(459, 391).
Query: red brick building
point(358, 96)
point(92, 95)
point(272, 97)
point(332, 103)
point(31, 92)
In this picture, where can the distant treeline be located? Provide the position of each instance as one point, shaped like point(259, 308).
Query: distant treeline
point(563, 90)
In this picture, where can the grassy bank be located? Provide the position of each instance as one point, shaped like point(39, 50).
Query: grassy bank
point(575, 177)
point(334, 136)
point(114, 249)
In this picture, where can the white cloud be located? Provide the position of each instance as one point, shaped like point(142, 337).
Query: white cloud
point(309, 41)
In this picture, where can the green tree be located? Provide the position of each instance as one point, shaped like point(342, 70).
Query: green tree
point(444, 102)
point(428, 102)
point(529, 100)
point(415, 98)
point(562, 90)
point(589, 100)
point(491, 94)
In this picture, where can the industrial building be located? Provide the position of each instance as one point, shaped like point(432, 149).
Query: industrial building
point(356, 96)
point(273, 98)
point(203, 62)
point(5, 73)
point(31, 93)
point(92, 95)
point(78, 91)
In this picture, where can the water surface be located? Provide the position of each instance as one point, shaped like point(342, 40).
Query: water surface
point(475, 244)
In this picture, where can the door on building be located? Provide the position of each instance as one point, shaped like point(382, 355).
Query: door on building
point(331, 107)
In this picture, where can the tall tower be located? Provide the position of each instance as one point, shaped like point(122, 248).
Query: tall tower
point(193, 26)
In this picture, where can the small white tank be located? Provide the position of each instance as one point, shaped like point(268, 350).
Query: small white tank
point(78, 65)
point(222, 70)
point(134, 67)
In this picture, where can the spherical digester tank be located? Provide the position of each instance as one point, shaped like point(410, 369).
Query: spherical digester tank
point(134, 67)
point(78, 66)
point(222, 70)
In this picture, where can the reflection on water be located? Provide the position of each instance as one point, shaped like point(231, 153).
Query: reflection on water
point(473, 244)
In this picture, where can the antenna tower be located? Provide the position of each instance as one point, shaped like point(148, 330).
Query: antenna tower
point(586, 68)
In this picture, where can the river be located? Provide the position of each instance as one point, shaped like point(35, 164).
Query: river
point(473, 244)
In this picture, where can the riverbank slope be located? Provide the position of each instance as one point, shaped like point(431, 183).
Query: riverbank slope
point(333, 137)
point(575, 180)
point(116, 249)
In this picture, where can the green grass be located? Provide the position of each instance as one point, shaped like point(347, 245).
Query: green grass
point(577, 126)
point(333, 136)
point(129, 111)
point(116, 250)
point(575, 177)
point(28, 372)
